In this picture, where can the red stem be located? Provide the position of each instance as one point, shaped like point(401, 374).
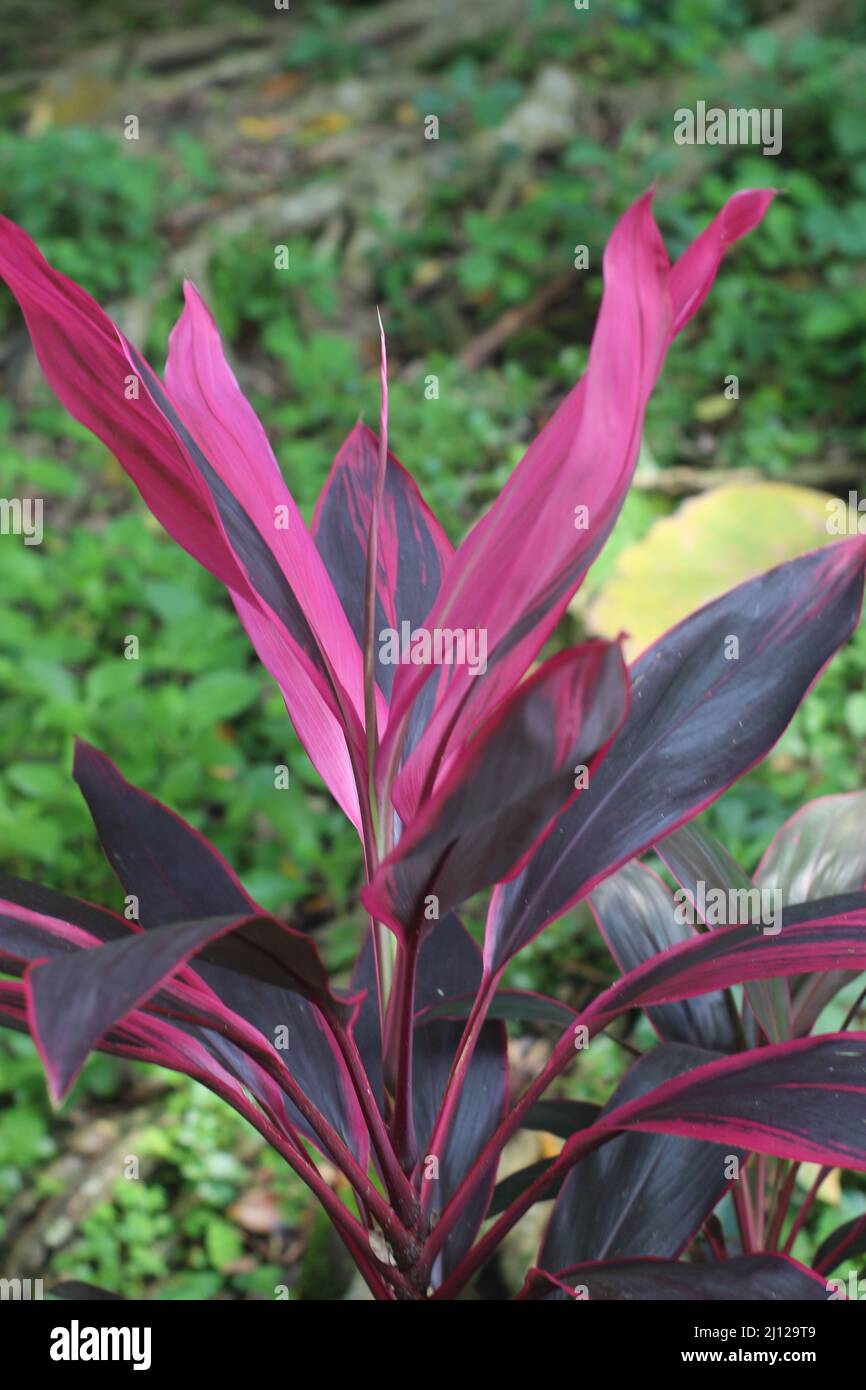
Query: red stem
point(459, 1068)
point(743, 1207)
point(482, 1251)
point(783, 1202)
point(760, 1202)
point(799, 1219)
point(559, 1059)
point(399, 1187)
point(350, 1230)
point(836, 1253)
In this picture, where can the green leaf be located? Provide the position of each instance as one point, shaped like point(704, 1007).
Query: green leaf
point(709, 545)
point(222, 695)
point(222, 1243)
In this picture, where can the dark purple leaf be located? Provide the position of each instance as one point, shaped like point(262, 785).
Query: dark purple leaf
point(413, 550)
point(160, 859)
point(704, 869)
point(697, 722)
point(520, 1005)
point(501, 794)
point(751, 1278)
point(811, 936)
point(450, 963)
point(76, 998)
point(637, 917)
point(819, 851)
point(641, 1194)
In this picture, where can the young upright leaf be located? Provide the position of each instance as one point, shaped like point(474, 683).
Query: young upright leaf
point(413, 550)
point(258, 513)
point(83, 356)
point(516, 570)
point(202, 464)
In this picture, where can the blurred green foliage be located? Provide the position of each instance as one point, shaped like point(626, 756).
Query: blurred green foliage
point(193, 719)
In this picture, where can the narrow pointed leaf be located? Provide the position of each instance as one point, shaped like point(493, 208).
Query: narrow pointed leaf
point(665, 1186)
point(697, 722)
point(413, 550)
point(108, 982)
point(450, 961)
point(812, 936)
point(518, 567)
point(695, 857)
point(493, 805)
point(804, 1100)
point(637, 916)
point(259, 515)
point(819, 851)
point(176, 875)
point(172, 870)
point(84, 359)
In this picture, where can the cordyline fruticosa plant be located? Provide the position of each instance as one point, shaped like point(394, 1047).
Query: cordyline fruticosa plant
point(546, 785)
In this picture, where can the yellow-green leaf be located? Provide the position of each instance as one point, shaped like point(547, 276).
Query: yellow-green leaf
point(708, 545)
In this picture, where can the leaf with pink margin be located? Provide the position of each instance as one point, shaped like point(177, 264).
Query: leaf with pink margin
point(299, 632)
point(802, 1099)
point(77, 997)
point(500, 797)
point(517, 569)
point(413, 550)
point(261, 520)
point(697, 722)
point(812, 936)
point(695, 857)
point(82, 354)
point(821, 849)
point(666, 1186)
point(636, 914)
